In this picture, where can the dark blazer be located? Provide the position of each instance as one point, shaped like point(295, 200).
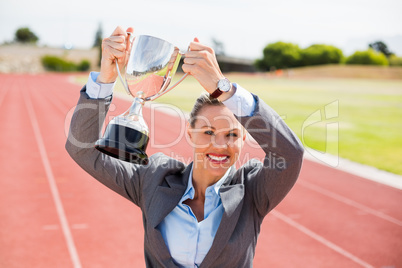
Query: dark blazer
point(248, 194)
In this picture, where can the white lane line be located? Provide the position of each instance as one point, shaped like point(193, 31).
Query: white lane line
point(52, 183)
point(320, 239)
point(349, 202)
point(357, 169)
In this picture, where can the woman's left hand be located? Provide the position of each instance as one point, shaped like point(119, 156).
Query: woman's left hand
point(201, 63)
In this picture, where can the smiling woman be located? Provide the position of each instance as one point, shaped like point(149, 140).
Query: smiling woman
point(206, 214)
point(217, 138)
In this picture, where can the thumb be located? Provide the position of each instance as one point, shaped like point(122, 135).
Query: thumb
point(130, 37)
point(129, 40)
point(196, 40)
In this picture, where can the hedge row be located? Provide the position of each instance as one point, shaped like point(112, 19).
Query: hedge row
point(281, 55)
point(54, 63)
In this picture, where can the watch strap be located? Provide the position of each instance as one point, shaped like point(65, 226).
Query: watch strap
point(216, 93)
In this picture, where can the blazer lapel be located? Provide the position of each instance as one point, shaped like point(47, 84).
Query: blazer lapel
point(164, 200)
point(232, 200)
point(167, 196)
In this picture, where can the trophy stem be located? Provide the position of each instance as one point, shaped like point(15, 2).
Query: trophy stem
point(136, 107)
point(126, 136)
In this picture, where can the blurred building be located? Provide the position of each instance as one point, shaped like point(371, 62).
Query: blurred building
point(232, 64)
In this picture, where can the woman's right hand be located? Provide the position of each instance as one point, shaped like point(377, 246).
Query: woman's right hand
point(115, 47)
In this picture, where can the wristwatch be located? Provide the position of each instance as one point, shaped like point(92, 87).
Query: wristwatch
point(224, 85)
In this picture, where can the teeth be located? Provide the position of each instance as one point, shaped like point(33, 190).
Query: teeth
point(217, 158)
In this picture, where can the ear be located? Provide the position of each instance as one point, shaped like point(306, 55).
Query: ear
point(188, 129)
point(244, 131)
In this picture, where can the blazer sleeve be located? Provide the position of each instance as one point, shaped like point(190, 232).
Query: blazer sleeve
point(122, 177)
point(270, 181)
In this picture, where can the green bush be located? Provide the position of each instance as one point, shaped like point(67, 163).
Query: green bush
point(395, 60)
point(54, 63)
point(84, 65)
point(321, 54)
point(280, 55)
point(24, 35)
point(368, 57)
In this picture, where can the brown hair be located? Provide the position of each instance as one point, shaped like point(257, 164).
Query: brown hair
point(201, 102)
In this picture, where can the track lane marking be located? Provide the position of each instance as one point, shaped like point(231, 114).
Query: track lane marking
point(320, 239)
point(349, 202)
point(52, 183)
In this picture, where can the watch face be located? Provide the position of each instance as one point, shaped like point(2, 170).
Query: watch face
point(224, 85)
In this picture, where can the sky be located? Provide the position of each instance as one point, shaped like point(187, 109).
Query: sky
point(244, 27)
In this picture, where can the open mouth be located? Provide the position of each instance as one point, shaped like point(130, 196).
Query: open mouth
point(219, 159)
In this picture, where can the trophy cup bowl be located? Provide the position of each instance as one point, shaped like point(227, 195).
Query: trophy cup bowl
point(150, 68)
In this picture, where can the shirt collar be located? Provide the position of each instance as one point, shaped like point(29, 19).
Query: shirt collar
point(189, 193)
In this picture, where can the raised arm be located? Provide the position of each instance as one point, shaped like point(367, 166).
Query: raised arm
point(85, 129)
point(269, 183)
point(89, 115)
point(271, 180)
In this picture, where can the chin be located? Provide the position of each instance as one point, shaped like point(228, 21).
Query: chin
point(217, 170)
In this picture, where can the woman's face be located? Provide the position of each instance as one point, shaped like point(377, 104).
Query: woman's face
point(217, 138)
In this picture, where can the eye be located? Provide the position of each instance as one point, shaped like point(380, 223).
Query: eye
point(232, 134)
point(209, 132)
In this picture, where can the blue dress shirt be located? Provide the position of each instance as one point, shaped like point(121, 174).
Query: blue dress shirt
point(187, 239)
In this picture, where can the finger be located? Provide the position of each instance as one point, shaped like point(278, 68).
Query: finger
point(187, 68)
point(190, 61)
point(119, 31)
point(195, 54)
point(117, 38)
point(196, 40)
point(117, 52)
point(195, 46)
point(130, 37)
point(116, 46)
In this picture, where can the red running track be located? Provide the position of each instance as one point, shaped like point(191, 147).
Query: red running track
point(52, 214)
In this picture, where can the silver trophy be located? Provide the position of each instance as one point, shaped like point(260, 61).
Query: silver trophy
point(151, 66)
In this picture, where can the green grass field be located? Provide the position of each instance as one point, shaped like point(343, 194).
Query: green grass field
point(366, 114)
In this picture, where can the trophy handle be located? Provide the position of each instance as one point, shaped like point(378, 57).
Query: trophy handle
point(125, 85)
point(167, 90)
point(173, 86)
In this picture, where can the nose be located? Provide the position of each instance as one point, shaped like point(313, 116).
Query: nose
point(220, 141)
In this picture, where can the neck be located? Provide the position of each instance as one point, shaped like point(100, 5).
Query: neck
point(202, 180)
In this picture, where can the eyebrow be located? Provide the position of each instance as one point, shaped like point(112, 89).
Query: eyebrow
point(206, 126)
point(233, 129)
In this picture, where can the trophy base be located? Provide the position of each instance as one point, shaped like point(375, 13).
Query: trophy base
point(124, 143)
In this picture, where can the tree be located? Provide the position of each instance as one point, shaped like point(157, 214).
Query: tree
point(321, 54)
point(280, 55)
point(98, 42)
point(218, 47)
point(381, 47)
point(98, 36)
point(25, 35)
point(368, 57)
point(395, 60)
